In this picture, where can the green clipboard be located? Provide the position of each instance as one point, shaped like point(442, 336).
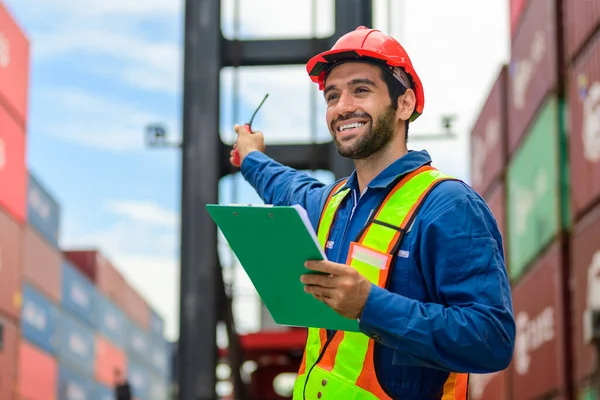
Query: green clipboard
point(272, 243)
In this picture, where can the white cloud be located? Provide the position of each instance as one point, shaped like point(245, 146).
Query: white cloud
point(114, 31)
point(96, 9)
point(145, 212)
point(138, 62)
point(100, 122)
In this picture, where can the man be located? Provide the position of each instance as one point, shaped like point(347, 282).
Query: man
point(414, 255)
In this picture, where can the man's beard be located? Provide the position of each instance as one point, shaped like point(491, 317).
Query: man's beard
point(376, 138)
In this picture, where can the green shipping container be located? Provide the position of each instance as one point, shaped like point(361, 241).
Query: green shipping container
point(536, 188)
point(588, 394)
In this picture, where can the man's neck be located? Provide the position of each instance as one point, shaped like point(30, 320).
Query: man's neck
point(368, 168)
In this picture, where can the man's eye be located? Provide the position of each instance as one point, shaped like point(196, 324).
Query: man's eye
point(361, 90)
point(331, 97)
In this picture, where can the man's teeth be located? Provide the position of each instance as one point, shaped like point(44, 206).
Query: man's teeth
point(350, 126)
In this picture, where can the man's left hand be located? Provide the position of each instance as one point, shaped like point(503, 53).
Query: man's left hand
point(343, 288)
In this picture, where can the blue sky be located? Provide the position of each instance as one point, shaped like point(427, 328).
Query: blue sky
point(103, 70)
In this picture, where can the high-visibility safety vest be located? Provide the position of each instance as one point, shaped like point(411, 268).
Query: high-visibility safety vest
point(342, 367)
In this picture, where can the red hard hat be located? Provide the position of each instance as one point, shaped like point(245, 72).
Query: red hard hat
point(370, 44)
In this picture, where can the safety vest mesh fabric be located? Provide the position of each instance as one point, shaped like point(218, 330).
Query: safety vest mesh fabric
point(342, 367)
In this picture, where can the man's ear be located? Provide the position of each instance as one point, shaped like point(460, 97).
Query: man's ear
point(406, 105)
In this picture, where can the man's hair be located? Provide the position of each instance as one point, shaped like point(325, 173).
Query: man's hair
point(395, 90)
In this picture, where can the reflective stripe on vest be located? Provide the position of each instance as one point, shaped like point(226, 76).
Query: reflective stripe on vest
point(343, 368)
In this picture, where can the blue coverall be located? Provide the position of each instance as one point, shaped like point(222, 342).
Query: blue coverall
point(448, 306)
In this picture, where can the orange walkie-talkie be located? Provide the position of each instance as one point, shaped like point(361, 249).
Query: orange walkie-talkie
point(248, 126)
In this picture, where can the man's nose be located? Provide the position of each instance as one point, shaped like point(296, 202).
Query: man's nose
point(345, 104)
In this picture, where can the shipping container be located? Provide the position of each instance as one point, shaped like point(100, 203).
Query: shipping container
point(109, 359)
point(42, 265)
point(588, 393)
point(158, 388)
point(585, 288)
point(11, 240)
point(488, 386)
point(14, 66)
point(134, 305)
point(496, 201)
point(139, 378)
point(72, 385)
point(159, 353)
point(76, 344)
point(103, 393)
point(581, 19)
point(488, 138)
point(38, 373)
point(584, 128)
point(78, 293)
point(532, 72)
point(516, 12)
point(100, 271)
point(533, 190)
point(157, 324)
point(13, 170)
point(110, 320)
point(137, 342)
point(43, 211)
point(8, 358)
point(39, 319)
point(538, 367)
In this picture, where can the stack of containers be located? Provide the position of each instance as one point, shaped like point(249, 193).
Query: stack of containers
point(76, 332)
point(488, 158)
point(160, 363)
point(82, 334)
point(549, 268)
point(537, 204)
point(535, 199)
point(130, 335)
point(14, 80)
point(582, 63)
point(66, 323)
point(111, 332)
point(42, 339)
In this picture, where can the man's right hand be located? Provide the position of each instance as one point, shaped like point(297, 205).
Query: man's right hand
point(246, 143)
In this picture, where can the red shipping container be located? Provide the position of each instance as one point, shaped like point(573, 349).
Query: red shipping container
point(135, 306)
point(488, 386)
point(11, 243)
point(13, 172)
point(533, 71)
point(538, 366)
point(8, 360)
point(581, 18)
point(516, 11)
point(38, 373)
point(584, 129)
point(488, 137)
point(96, 267)
point(586, 280)
point(42, 265)
point(14, 66)
point(108, 359)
